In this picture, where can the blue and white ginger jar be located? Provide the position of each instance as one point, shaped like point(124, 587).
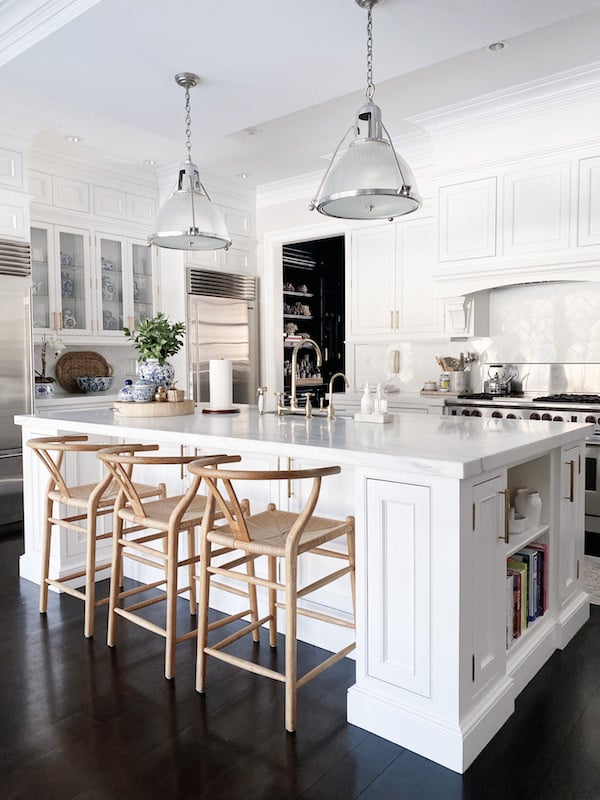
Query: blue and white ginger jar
point(158, 374)
point(143, 391)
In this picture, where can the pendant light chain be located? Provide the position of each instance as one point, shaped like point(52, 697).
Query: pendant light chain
point(188, 124)
point(370, 90)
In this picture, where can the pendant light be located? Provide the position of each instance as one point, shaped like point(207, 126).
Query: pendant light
point(369, 180)
point(188, 220)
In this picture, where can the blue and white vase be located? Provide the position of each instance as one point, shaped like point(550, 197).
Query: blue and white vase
point(43, 391)
point(158, 374)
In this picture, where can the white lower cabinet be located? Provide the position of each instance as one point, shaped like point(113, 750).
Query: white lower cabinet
point(398, 576)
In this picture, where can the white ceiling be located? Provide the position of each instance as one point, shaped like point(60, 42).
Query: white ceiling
point(292, 69)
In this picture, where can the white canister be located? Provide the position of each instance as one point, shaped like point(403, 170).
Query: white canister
point(444, 382)
point(529, 503)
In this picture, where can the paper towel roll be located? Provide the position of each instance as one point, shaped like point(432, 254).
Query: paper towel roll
point(220, 384)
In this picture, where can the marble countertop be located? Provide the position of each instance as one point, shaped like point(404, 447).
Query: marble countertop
point(455, 447)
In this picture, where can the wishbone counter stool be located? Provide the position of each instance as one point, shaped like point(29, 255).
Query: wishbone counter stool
point(91, 500)
point(272, 534)
point(157, 526)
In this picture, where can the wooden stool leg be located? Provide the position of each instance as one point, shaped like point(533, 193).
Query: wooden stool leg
point(252, 596)
point(272, 602)
point(116, 573)
point(191, 553)
point(203, 601)
point(46, 544)
point(171, 623)
point(291, 621)
point(90, 574)
point(351, 543)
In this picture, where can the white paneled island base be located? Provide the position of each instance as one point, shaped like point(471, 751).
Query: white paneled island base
point(437, 666)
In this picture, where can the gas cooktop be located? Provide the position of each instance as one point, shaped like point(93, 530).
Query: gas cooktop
point(593, 399)
point(488, 396)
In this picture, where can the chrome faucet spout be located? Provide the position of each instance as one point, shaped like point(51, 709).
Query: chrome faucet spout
point(293, 399)
point(330, 408)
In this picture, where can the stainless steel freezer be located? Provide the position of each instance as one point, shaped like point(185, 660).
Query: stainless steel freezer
point(222, 323)
point(16, 384)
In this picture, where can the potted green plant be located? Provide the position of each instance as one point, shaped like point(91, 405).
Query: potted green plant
point(155, 339)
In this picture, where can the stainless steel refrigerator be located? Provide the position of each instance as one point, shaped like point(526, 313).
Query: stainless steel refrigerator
point(16, 384)
point(222, 322)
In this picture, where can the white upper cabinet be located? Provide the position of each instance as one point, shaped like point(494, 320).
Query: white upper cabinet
point(589, 202)
point(391, 281)
point(467, 226)
point(536, 210)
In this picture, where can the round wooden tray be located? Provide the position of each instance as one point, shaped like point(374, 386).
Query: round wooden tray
point(71, 365)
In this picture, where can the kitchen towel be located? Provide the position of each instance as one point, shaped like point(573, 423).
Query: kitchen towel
point(221, 384)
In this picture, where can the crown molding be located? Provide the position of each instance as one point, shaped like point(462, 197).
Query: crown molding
point(558, 91)
point(25, 22)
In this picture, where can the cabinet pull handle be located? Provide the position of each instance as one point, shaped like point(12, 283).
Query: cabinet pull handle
point(397, 320)
point(60, 321)
point(290, 493)
point(571, 496)
point(181, 475)
point(506, 494)
point(391, 320)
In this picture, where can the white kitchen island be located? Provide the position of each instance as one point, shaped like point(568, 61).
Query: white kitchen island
point(433, 669)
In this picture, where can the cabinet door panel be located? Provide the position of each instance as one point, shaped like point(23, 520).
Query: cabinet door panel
point(468, 220)
point(111, 284)
point(72, 259)
point(420, 311)
point(398, 555)
point(488, 568)
point(571, 523)
point(42, 288)
point(589, 201)
point(536, 210)
point(373, 280)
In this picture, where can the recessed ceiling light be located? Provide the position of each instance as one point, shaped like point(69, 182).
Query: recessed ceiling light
point(496, 46)
point(243, 175)
point(149, 162)
point(251, 131)
point(73, 138)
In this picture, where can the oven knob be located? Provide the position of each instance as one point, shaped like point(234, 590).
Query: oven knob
point(590, 419)
point(465, 412)
point(547, 417)
point(511, 416)
point(557, 419)
point(496, 414)
point(534, 415)
point(476, 413)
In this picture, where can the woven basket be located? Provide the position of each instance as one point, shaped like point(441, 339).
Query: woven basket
point(175, 395)
point(72, 365)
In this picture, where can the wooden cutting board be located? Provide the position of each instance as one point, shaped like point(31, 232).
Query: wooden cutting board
point(154, 409)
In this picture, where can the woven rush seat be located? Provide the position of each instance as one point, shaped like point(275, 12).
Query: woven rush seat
point(150, 533)
point(268, 531)
point(277, 536)
point(92, 500)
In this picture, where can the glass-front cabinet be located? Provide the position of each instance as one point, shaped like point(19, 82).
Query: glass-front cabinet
point(61, 279)
point(86, 284)
point(126, 283)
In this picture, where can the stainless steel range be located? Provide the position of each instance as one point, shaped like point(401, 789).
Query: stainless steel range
point(569, 407)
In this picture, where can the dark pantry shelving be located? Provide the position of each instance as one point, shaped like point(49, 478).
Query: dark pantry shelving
point(314, 302)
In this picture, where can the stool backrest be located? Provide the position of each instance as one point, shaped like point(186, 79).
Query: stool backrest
point(121, 459)
point(233, 510)
point(51, 449)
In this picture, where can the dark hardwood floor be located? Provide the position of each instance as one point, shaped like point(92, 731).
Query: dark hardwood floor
point(79, 721)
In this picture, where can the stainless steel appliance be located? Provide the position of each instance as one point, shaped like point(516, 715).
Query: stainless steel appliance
point(564, 407)
point(222, 322)
point(16, 389)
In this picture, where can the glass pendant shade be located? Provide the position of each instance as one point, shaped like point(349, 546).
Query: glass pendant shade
point(188, 220)
point(369, 180)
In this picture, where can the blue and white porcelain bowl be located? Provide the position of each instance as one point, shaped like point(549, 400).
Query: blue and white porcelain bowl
point(143, 391)
point(91, 385)
point(44, 390)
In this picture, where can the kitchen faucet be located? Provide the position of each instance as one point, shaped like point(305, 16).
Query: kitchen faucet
point(293, 399)
point(330, 409)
